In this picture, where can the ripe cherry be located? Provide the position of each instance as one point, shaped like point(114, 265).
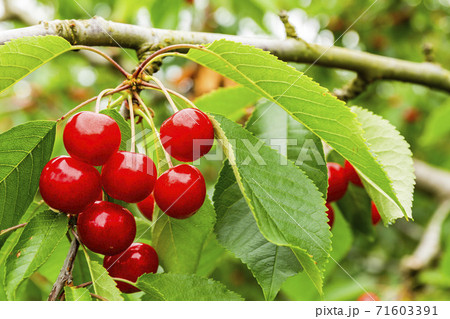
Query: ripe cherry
point(137, 260)
point(187, 135)
point(91, 137)
point(129, 176)
point(180, 191)
point(330, 214)
point(69, 185)
point(337, 182)
point(147, 206)
point(375, 214)
point(368, 296)
point(411, 115)
point(351, 174)
point(106, 228)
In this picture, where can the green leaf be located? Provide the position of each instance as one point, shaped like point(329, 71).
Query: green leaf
point(297, 288)
point(230, 102)
point(103, 284)
point(24, 151)
point(124, 126)
point(292, 139)
point(436, 125)
point(287, 206)
point(182, 287)
point(210, 257)
point(143, 231)
point(165, 13)
point(394, 154)
point(35, 245)
point(238, 232)
point(77, 294)
point(306, 101)
point(20, 57)
point(179, 242)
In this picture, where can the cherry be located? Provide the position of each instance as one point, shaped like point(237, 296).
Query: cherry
point(187, 135)
point(375, 214)
point(411, 115)
point(180, 191)
point(147, 206)
point(137, 260)
point(129, 176)
point(91, 137)
point(330, 214)
point(69, 185)
point(351, 174)
point(106, 228)
point(337, 182)
point(368, 296)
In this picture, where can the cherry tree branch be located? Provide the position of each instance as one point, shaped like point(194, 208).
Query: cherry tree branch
point(65, 274)
point(100, 32)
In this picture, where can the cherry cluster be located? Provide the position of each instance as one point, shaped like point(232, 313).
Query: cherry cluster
point(338, 179)
point(74, 185)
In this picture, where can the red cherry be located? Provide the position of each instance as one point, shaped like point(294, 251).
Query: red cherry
point(91, 137)
point(337, 182)
point(69, 185)
point(106, 228)
point(187, 135)
point(129, 176)
point(411, 115)
point(147, 206)
point(375, 214)
point(330, 214)
point(351, 174)
point(137, 260)
point(180, 191)
point(368, 296)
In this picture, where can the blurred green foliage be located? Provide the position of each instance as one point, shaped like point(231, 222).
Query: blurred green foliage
point(395, 28)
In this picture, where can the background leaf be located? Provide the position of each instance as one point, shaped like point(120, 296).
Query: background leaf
point(179, 242)
point(35, 245)
point(436, 125)
point(180, 287)
point(287, 206)
point(393, 153)
point(306, 101)
point(230, 102)
point(20, 57)
point(24, 151)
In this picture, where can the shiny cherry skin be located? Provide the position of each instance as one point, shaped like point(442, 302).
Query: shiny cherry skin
point(352, 175)
point(330, 214)
point(129, 176)
point(91, 137)
point(375, 214)
point(137, 260)
point(180, 191)
point(187, 135)
point(147, 206)
point(106, 228)
point(69, 185)
point(368, 296)
point(337, 182)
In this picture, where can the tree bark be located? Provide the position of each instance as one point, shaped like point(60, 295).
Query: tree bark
point(100, 32)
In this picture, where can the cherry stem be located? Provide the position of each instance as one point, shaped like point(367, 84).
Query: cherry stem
point(98, 297)
point(4, 231)
point(164, 90)
point(147, 61)
point(149, 120)
point(107, 57)
point(84, 284)
point(92, 99)
point(150, 86)
point(126, 281)
point(118, 101)
point(133, 129)
point(99, 98)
